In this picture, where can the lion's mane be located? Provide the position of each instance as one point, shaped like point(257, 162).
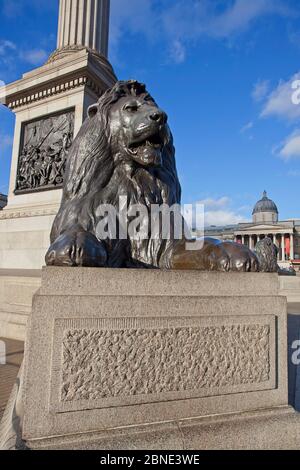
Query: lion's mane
point(91, 167)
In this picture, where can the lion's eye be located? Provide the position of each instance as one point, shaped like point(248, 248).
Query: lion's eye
point(131, 107)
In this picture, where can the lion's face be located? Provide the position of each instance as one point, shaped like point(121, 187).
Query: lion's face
point(139, 129)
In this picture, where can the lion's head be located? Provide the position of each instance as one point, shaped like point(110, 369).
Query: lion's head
point(267, 253)
point(125, 125)
point(138, 128)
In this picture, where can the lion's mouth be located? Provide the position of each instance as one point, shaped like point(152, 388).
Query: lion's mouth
point(152, 142)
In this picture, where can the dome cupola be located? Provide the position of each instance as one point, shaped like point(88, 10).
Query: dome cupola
point(265, 210)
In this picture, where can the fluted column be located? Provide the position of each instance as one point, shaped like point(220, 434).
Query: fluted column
point(84, 23)
point(292, 246)
point(282, 247)
point(278, 245)
point(250, 242)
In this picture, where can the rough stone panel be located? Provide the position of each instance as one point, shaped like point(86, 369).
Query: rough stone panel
point(113, 363)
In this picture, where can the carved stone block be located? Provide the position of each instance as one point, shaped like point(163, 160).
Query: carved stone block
point(111, 348)
point(113, 362)
point(120, 363)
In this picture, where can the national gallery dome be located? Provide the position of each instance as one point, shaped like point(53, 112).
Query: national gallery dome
point(265, 210)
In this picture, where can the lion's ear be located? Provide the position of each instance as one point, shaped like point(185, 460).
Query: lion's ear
point(92, 110)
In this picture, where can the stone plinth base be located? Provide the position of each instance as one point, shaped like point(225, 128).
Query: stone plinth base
point(262, 430)
point(25, 235)
point(17, 288)
point(290, 287)
point(138, 359)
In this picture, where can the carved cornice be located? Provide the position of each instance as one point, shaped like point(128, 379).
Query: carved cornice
point(66, 70)
point(66, 51)
point(63, 52)
point(52, 90)
point(24, 213)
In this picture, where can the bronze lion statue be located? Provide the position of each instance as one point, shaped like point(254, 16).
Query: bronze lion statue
point(125, 148)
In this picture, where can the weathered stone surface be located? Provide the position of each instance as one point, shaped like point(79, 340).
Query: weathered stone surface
point(16, 291)
point(126, 348)
point(115, 363)
point(277, 429)
point(139, 282)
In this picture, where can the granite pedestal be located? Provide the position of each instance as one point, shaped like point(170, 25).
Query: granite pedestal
point(153, 359)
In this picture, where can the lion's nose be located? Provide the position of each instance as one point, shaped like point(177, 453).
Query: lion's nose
point(159, 116)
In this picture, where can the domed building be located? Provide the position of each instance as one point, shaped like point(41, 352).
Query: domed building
point(265, 223)
point(265, 210)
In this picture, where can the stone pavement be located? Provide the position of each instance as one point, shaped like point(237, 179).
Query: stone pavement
point(9, 371)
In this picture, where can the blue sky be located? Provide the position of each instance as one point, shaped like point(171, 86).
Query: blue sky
point(222, 69)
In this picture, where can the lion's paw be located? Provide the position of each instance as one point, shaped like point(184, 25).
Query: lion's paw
point(76, 249)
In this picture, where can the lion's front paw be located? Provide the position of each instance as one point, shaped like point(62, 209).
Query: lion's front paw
point(241, 258)
point(76, 249)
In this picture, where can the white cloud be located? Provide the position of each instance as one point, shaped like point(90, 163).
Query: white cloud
point(219, 212)
point(279, 102)
point(213, 204)
point(291, 147)
point(5, 46)
point(294, 37)
point(13, 8)
point(178, 52)
point(5, 142)
point(260, 90)
point(184, 22)
point(246, 127)
point(294, 173)
point(34, 56)
point(138, 17)
point(241, 14)
point(222, 218)
point(195, 19)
